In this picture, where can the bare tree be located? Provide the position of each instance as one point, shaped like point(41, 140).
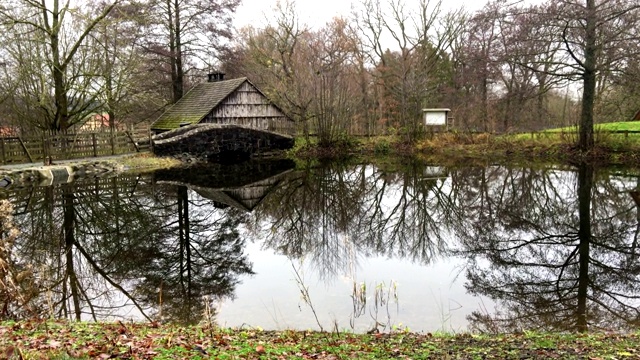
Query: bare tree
point(596, 38)
point(274, 58)
point(185, 34)
point(55, 79)
point(127, 90)
point(409, 72)
point(475, 68)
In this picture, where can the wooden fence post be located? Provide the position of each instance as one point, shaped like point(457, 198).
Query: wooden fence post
point(132, 141)
point(93, 142)
point(25, 149)
point(4, 156)
point(112, 141)
point(48, 146)
point(44, 148)
point(65, 146)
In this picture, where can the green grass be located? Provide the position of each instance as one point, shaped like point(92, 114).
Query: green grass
point(621, 125)
point(612, 126)
point(71, 340)
point(554, 145)
point(148, 162)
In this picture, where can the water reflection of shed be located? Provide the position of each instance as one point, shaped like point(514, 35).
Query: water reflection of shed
point(242, 186)
point(244, 198)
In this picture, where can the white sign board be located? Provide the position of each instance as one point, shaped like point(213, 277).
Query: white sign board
point(435, 117)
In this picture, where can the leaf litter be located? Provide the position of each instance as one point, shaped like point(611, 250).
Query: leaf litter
point(119, 340)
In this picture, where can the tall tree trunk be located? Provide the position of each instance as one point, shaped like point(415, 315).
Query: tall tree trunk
point(61, 119)
point(178, 86)
point(111, 103)
point(175, 50)
point(484, 110)
point(172, 52)
point(588, 79)
point(585, 179)
point(507, 113)
point(69, 242)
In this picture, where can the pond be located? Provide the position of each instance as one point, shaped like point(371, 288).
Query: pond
point(334, 246)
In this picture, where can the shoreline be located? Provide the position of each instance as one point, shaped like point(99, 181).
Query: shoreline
point(487, 150)
point(444, 150)
point(67, 171)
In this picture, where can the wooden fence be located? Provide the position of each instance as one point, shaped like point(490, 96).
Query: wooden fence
point(36, 198)
point(47, 147)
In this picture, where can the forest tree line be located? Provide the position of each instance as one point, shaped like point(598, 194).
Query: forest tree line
point(506, 67)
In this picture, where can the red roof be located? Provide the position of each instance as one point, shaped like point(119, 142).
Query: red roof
point(8, 131)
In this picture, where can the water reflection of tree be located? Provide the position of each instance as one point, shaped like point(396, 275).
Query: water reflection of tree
point(335, 213)
point(549, 257)
point(204, 261)
point(100, 247)
point(67, 233)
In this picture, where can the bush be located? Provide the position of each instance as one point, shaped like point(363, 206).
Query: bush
point(17, 288)
point(382, 147)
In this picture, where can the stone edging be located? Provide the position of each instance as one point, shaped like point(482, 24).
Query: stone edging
point(56, 174)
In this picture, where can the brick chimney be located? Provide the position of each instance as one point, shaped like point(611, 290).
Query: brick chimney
point(216, 76)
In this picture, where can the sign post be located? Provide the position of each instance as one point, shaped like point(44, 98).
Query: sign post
point(436, 117)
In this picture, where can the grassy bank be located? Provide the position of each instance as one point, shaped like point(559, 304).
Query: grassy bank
point(148, 162)
point(551, 146)
point(68, 340)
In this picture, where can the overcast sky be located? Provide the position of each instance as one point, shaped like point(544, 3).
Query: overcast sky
point(313, 12)
point(318, 12)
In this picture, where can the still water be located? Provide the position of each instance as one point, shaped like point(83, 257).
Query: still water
point(348, 246)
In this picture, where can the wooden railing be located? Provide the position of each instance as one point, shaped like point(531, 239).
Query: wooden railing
point(47, 147)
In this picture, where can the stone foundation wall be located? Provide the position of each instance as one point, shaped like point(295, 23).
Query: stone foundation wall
point(209, 141)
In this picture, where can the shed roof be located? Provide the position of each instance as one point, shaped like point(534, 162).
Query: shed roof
point(196, 104)
point(636, 116)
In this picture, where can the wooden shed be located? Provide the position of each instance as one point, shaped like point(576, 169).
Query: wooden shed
point(220, 101)
point(637, 116)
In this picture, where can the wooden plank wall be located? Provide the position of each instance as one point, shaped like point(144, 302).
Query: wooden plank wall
point(246, 106)
point(45, 147)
